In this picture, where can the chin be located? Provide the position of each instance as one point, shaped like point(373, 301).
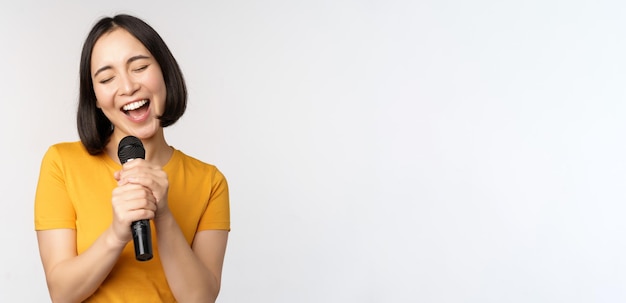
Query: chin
point(148, 133)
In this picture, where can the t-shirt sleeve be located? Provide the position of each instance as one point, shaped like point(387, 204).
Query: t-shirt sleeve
point(217, 213)
point(53, 207)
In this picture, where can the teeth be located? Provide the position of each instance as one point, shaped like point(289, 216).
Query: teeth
point(134, 105)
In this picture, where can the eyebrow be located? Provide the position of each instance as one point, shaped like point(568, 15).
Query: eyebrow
point(129, 61)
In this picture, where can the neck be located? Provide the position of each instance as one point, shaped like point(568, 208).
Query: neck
point(157, 150)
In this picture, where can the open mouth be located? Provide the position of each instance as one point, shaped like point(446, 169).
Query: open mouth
point(137, 110)
point(136, 106)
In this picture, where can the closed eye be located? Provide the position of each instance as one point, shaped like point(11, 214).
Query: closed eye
point(141, 68)
point(107, 80)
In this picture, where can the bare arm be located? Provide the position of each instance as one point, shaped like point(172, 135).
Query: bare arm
point(72, 277)
point(193, 273)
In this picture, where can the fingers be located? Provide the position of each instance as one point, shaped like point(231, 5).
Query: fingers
point(138, 163)
point(133, 202)
point(139, 170)
point(151, 178)
point(141, 186)
point(143, 173)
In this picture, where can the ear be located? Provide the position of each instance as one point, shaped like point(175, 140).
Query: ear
point(98, 104)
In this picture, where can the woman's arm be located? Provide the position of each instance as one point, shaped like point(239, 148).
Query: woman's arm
point(72, 277)
point(193, 273)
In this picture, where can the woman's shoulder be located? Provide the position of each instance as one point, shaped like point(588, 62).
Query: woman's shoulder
point(194, 164)
point(188, 160)
point(68, 156)
point(72, 149)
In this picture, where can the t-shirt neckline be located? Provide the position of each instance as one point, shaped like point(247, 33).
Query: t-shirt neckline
point(116, 166)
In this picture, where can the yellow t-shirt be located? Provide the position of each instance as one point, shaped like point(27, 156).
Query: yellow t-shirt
point(74, 191)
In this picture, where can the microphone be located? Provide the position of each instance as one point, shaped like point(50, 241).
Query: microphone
point(131, 148)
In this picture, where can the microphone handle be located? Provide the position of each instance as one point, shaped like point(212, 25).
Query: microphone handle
point(142, 239)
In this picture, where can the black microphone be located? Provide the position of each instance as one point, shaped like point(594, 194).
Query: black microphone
point(131, 148)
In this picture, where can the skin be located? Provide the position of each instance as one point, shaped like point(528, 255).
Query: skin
point(124, 71)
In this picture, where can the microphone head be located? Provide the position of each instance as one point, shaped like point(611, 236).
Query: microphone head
point(130, 148)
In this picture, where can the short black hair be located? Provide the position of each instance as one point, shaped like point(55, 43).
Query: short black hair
point(94, 128)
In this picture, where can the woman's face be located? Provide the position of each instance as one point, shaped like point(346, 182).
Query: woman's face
point(128, 83)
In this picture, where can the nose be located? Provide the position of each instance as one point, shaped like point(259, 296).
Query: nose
point(128, 86)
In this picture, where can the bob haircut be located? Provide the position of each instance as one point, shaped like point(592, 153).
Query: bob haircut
point(94, 128)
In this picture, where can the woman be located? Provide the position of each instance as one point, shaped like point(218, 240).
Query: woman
point(130, 84)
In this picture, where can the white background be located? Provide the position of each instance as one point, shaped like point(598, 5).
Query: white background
point(376, 151)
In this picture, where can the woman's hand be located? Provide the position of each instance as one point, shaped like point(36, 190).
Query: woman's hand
point(141, 194)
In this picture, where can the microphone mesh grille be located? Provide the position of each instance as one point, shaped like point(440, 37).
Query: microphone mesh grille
point(130, 148)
